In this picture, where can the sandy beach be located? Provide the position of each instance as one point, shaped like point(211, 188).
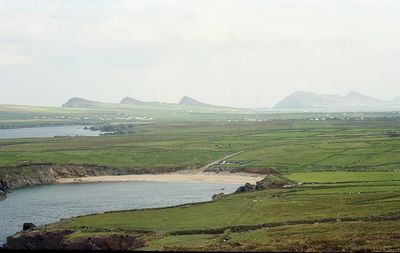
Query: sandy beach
point(237, 178)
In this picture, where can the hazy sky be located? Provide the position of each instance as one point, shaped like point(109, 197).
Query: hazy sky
point(237, 53)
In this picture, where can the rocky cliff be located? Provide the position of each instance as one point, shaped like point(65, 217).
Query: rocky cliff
point(58, 240)
point(46, 173)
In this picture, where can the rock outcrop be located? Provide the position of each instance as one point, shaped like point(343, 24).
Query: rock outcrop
point(110, 129)
point(58, 240)
point(393, 134)
point(271, 181)
point(218, 196)
point(3, 195)
point(4, 188)
point(28, 226)
point(246, 188)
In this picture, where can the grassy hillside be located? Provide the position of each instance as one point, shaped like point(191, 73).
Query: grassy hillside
point(323, 215)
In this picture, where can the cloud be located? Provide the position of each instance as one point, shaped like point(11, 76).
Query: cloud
point(7, 59)
point(250, 53)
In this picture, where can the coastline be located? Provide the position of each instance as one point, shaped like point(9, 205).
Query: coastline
point(229, 178)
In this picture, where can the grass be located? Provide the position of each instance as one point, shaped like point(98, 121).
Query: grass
point(349, 198)
point(116, 156)
point(287, 145)
point(323, 216)
point(337, 177)
point(344, 236)
point(249, 209)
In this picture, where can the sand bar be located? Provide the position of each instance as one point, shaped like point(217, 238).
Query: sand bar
point(170, 177)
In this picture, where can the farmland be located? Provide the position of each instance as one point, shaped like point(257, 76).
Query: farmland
point(345, 176)
point(288, 145)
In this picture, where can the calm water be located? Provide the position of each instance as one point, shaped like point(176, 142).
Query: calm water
point(46, 132)
point(47, 204)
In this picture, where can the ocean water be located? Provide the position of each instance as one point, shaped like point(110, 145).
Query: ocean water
point(30, 132)
point(46, 204)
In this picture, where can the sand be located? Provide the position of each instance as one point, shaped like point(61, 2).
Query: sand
point(228, 178)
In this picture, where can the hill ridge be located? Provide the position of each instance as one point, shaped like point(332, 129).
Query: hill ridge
point(130, 100)
point(79, 102)
point(310, 100)
point(186, 100)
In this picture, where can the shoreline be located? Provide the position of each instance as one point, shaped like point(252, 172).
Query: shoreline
point(229, 178)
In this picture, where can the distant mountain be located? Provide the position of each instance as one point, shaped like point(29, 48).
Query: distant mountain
point(304, 99)
point(193, 102)
point(311, 101)
point(355, 96)
point(396, 100)
point(80, 103)
point(131, 101)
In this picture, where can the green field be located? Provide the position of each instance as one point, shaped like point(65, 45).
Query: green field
point(287, 145)
point(317, 217)
point(346, 174)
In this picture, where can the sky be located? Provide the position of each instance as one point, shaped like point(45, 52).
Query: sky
point(244, 53)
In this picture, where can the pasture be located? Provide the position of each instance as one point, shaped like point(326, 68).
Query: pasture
point(345, 193)
point(286, 145)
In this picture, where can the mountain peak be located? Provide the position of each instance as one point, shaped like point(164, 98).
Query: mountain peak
point(361, 97)
point(191, 102)
point(131, 101)
point(298, 99)
point(79, 102)
point(352, 101)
